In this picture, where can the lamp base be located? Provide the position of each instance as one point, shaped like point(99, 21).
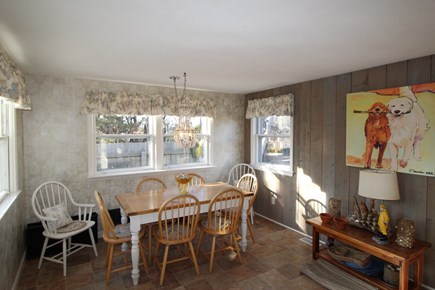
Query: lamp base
point(381, 240)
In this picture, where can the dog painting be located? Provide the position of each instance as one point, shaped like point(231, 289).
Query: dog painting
point(377, 133)
point(408, 125)
point(391, 129)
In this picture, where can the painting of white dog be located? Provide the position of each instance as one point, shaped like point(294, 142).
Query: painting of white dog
point(408, 124)
point(407, 139)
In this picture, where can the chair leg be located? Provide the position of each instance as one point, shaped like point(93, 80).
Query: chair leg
point(237, 248)
point(109, 264)
point(252, 215)
point(213, 246)
point(150, 232)
point(64, 254)
point(192, 252)
point(144, 260)
point(44, 247)
point(107, 256)
point(156, 260)
point(91, 235)
point(199, 242)
point(165, 260)
point(251, 233)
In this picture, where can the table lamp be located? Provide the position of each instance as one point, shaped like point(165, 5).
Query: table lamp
point(379, 184)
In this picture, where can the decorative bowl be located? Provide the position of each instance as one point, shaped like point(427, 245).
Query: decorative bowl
point(341, 222)
point(326, 217)
point(183, 179)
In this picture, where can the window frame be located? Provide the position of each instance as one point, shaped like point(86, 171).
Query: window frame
point(255, 147)
point(157, 157)
point(8, 137)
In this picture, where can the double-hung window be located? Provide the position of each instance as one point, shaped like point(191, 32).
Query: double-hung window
point(272, 143)
point(272, 133)
point(128, 144)
point(8, 181)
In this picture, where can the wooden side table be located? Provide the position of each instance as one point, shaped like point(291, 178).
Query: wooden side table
point(362, 240)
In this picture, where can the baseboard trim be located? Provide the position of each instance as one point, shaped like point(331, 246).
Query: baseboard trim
point(19, 271)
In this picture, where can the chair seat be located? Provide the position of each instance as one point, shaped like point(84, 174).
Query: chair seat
point(70, 230)
point(123, 231)
point(71, 227)
point(214, 223)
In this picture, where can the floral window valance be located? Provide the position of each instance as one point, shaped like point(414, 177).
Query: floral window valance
point(12, 86)
point(102, 102)
point(279, 106)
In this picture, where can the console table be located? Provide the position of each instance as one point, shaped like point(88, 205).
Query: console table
point(361, 239)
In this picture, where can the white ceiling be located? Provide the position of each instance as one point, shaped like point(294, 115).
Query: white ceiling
point(235, 46)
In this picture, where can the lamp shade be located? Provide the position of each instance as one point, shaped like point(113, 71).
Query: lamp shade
point(377, 184)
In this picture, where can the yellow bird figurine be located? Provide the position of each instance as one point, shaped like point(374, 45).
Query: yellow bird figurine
point(383, 220)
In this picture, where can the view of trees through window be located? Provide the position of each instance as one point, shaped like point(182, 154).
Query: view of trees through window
point(127, 141)
point(274, 139)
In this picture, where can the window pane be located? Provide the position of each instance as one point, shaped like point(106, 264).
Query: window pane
point(4, 164)
point(118, 153)
point(171, 122)
point(122, 124)
point(274, 125)
point(275, 150)
point(173, 155)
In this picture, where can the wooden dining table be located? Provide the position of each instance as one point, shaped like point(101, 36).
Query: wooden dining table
point(143, 208)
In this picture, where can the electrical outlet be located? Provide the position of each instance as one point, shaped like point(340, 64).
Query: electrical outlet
point(272, 200)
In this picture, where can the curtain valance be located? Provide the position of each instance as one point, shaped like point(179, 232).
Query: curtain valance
point(279, 106)
point(12, 86)
point(103, 102)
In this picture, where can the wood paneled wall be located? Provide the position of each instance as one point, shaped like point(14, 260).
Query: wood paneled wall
point(319, 153)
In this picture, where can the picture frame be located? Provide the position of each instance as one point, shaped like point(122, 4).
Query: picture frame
point(390, 129)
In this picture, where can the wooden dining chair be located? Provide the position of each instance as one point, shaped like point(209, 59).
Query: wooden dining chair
point(116, 235)
point(248, 182)
point(145, 185)
point(150, 183)
point(177, 222)
point(221, 223)
point(196, 179)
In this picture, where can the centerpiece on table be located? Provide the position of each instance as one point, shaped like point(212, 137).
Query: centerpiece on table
point(183, 179)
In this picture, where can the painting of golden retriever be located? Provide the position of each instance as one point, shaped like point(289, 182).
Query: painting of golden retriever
point(391, 129)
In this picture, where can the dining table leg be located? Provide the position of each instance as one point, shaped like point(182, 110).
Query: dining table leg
point(244, 242)
point(124, 220)
point(135, 228)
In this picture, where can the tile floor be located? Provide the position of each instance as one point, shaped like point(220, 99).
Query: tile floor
point(271, 263)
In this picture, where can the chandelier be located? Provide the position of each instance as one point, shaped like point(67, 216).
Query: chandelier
point(184, 135)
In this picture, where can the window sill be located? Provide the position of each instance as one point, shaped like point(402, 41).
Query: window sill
point(272, 170)
point(7, 202)
point(110, 175)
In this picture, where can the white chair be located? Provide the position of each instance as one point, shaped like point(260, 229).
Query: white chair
point(50, 203)
point(236, 173)
point(248, 182)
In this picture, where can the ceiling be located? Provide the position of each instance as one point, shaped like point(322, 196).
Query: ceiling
point(233, 46)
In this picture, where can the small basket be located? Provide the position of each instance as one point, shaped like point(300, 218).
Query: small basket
point(348, 254)
point(405, 233)
point(391, 275)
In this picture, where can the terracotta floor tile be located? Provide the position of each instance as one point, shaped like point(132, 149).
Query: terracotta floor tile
point(271, 263)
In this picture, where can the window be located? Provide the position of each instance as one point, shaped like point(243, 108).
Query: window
point(8, 180)
point(272, 143)
point(125, 144)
